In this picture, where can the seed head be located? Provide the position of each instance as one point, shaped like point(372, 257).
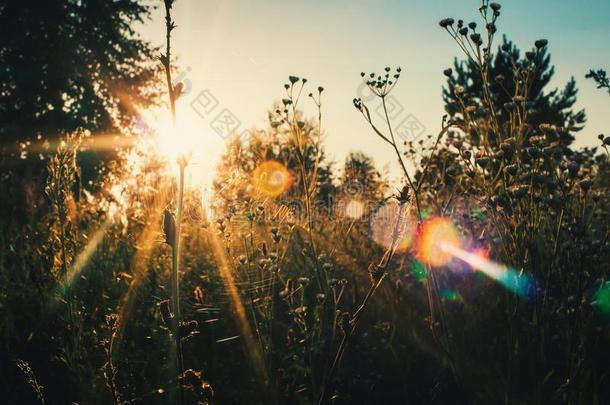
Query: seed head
point(476, 38)
point(303, 281)
point(446, 22)
point(169, 227)
point(376, 272)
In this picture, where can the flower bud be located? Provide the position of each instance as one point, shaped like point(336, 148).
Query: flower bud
point(446, 22)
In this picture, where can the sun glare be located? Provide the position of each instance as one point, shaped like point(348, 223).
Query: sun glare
point(177, 140)
point(189, 137)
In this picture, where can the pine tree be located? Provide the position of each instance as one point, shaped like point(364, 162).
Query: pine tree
point(553, 107)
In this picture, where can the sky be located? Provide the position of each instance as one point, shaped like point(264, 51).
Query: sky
point(235, 55)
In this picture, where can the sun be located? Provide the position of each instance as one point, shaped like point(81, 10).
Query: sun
point(190, 137)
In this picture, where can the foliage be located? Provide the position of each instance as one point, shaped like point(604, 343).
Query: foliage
point(67, 68)
point(309, 283)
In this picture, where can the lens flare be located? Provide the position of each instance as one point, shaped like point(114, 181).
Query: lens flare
point(434, 233)
point(271, 178)
point(393, 226)
point(520, 284)
point(602, 298)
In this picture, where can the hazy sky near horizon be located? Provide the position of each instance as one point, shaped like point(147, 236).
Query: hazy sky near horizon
point(243, 51)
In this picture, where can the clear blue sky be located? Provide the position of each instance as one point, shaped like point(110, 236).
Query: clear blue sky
point(243, 51)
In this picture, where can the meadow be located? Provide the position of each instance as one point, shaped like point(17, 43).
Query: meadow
point(481, 278)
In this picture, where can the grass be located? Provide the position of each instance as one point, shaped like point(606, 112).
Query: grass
point(281, 294)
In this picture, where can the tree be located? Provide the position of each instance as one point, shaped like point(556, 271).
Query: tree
point(72, 64)
point(600, 77)
point(361, 178)
point(553, 107)
point(235, 184)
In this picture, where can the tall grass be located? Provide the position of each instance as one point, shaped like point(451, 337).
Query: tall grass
point(315, 291)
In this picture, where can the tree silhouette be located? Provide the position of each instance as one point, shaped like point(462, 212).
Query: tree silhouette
point(553, 107)
point(72, 64)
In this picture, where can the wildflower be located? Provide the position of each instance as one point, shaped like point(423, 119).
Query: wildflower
point(463, 31)
point(448, 72)
point(495, 6)
point(320, 297)
point(242, 259)
point(446, 22)
point(293, 79)
point(327, 266)
point(541, 43)
point(530, 55)
point(303, 280)
point(606, 141)
point(491, 27)
point(472, 25)
point(459, 90)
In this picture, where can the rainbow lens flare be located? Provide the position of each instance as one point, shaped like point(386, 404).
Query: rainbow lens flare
point(271, 178)
point(519, 283)
point(435, 233)
point(602, 298)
